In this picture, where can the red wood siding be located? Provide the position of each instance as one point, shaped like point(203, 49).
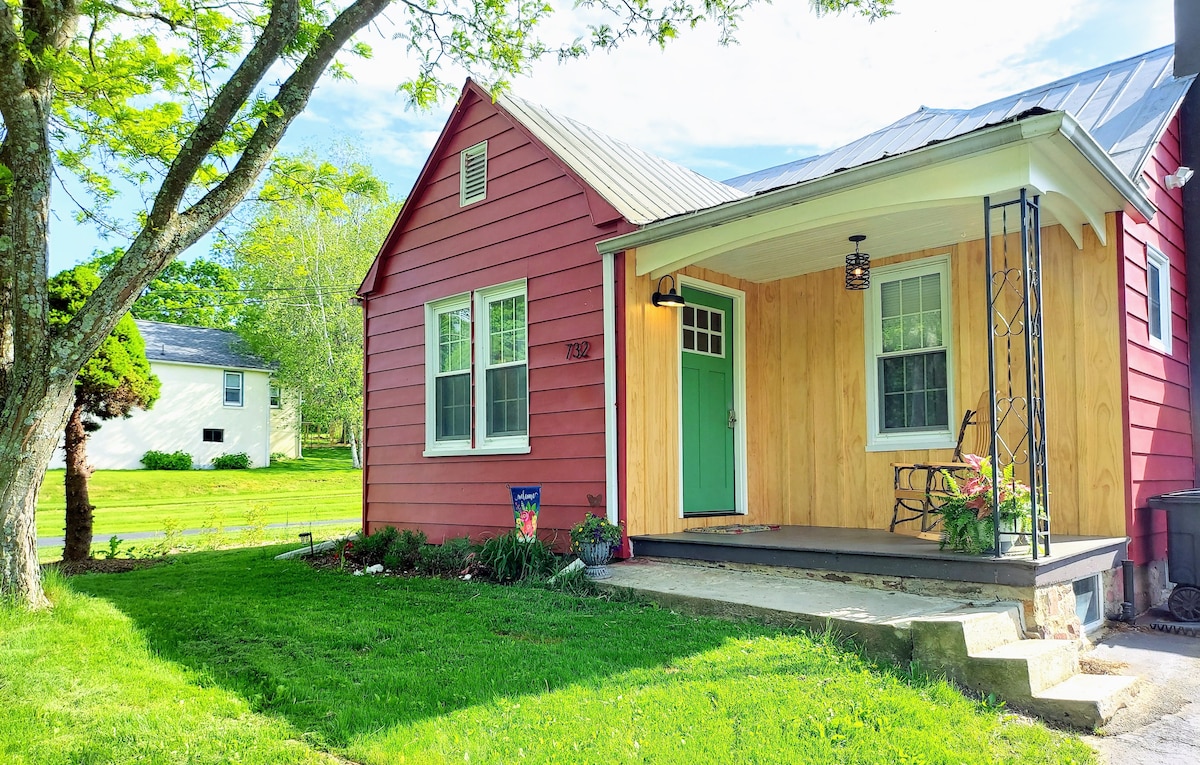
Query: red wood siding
point(1159, 438)
point(535, 224)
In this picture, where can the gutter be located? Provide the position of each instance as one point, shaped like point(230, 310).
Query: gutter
point(976, 142)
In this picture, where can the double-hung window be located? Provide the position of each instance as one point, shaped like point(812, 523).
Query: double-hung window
point(909, 360)
point(1158, 294)
point(502, 413)
point(233, 389)
point(448, 393)
point(477, 372)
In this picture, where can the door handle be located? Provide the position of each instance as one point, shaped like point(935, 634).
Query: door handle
point(732, 418)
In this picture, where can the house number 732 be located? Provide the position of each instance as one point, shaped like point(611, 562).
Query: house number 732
point(578, 350)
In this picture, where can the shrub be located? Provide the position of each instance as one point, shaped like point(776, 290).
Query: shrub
point(450, 558)
point(162, 461)
point(509, 558)
point(235, 461)
point(369, 550)
point(405, 552)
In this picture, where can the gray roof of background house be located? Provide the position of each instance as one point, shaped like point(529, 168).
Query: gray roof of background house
point(642, 187)
point(1125, 106)
point(196, 345)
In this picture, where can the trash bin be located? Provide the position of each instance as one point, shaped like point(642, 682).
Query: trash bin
point(1183, 551)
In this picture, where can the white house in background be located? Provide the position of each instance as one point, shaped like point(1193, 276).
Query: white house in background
point(215, 400)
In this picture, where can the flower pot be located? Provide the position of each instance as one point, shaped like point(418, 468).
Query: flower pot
point(596, 555)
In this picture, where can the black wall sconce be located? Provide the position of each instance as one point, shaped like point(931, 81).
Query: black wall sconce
point(671, 298)
point(858, 266)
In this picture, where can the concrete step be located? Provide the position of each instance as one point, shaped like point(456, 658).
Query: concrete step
point(1023, 668)
point(1083, 701)
point(942, 642)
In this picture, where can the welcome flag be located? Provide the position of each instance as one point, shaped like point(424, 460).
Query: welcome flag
point(527, 502)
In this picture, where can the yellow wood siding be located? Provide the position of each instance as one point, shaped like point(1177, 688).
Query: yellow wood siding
point(806, 394)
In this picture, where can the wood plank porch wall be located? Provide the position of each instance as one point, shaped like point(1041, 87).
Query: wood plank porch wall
point(806, 394)
point(1160, 422)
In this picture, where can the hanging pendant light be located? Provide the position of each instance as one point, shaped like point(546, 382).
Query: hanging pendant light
point(858, 266)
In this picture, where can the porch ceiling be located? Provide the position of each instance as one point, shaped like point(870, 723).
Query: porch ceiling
point(928, 198)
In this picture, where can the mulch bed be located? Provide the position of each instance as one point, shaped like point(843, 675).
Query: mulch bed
point(104, 566)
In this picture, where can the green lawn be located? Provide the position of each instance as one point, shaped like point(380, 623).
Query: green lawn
point(322, 486)
point(234, 657)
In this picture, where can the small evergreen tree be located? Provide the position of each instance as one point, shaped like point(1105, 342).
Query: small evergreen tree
point(114, 381)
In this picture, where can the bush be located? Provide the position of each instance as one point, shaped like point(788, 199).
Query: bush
point(396, 549)
point(450, 558)
point(369, 550)
point(162, 461)
point(509, 558)
point(235, 461)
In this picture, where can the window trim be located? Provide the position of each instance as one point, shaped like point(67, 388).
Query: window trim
point(1155, 257)
point(432, 346)
point(241, 388)
point(878, 441)
point(479, 149)
point(483, 298)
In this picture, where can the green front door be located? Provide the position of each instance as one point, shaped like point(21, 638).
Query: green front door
point(708, 410)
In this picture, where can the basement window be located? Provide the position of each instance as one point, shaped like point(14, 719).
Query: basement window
point(214, 435)
point(473, 175)
point(1088, 603)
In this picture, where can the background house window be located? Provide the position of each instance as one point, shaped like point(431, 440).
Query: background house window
point(505, 372)
point(473, 174)
point(276, 396)
point(908, 356)
point(233, 389)
point(1158, 294)
point(214, 435)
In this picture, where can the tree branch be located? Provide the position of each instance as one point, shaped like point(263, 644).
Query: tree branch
point(280, 29)
point(291, 99)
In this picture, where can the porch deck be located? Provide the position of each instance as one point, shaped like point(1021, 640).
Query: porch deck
point(882, 553)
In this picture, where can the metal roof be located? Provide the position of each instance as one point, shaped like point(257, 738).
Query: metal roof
point(1125, 106)
point(642, 187)
point(196, 345)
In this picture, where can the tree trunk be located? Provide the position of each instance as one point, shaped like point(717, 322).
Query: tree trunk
point(30, 426)
point(354, 460)
point(79, 507)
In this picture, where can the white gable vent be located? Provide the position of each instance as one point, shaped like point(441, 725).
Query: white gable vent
point(473, 175)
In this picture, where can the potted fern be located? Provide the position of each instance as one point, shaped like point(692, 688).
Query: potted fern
point(968, 515)
point(594, 540)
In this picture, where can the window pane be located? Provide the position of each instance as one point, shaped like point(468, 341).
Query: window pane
point(913, 334)
point(506, 323)
point(702, 318)
point(914, 391)
point(507, 401)
point(453, 407)
point(910, 295)
point(931, 322)
point(893, 335)
point(702, 342)
point(714, 346)
point(931, 292)
point(1154, 289)
point(689, 316)
point(715, 320)
point(890, 299)
point(454, 340)
point(689, 339)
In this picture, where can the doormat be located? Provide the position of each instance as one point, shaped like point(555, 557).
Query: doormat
point(735, 528)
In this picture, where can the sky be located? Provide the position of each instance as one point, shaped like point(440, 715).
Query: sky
point(794, 85)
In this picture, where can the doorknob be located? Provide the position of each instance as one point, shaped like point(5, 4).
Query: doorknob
point(732, 418)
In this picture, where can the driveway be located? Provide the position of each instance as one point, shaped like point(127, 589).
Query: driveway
point(1162, 725)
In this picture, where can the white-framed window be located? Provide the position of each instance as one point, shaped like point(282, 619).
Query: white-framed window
point(472, 184)
point(910, 369)
point(502, 348)
point(477, 373)
point(275, 395)
point(1158, 294)
point(233, 389)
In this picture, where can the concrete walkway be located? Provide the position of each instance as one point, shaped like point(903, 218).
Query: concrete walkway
point(130, 536)
point(1162, 725)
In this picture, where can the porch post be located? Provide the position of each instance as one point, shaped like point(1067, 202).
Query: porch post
point(1015, 352)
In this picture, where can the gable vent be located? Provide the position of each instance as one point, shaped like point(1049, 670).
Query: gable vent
point(473, 177)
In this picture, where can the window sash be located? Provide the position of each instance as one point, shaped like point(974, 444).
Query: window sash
point(448, 372)
point(1158, 297)
point(502, 403)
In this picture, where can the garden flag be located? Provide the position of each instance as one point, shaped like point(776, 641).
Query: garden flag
point(527, 502)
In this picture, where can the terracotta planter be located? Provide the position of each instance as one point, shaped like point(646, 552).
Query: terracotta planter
point(596, 556)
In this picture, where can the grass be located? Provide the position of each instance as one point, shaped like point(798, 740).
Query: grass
point(322, 486)
point(274, 661)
